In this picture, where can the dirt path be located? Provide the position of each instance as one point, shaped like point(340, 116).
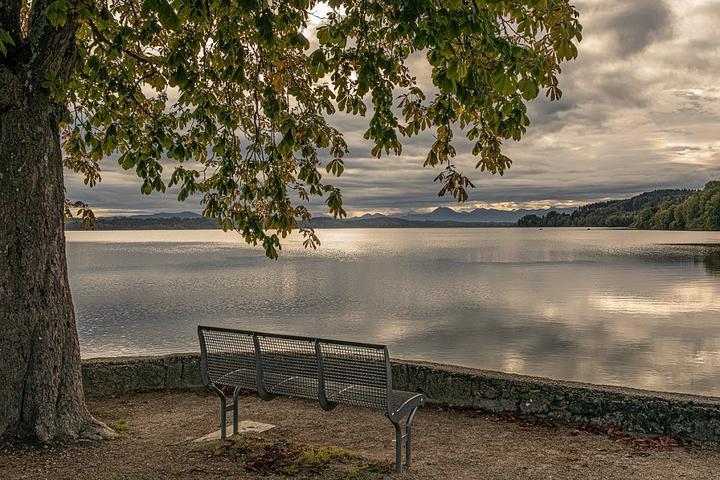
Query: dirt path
point(157, 444)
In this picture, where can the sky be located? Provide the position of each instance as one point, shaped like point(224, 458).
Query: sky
point(640, 111)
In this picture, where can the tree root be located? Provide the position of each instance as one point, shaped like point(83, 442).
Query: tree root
point(95, 430)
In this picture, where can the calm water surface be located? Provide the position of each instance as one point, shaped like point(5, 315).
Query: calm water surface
point(605, 306)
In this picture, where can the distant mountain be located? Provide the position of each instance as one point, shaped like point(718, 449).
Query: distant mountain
point(613, 213)
point(160, 221)
point(479, 215)
point(194, 221)
point(381, 221)
point(442, 217)
point(166, 215)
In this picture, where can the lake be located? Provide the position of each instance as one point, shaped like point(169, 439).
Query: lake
point(618, 307)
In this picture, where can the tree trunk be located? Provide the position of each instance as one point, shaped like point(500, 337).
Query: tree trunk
point(41, 393)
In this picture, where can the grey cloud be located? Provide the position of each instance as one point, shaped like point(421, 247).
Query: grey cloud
point(638, 23)
point(640, 110)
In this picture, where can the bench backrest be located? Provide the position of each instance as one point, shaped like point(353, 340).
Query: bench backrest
point(228, 357)
point(355, 374)
point(332, 371)
point(289, 365)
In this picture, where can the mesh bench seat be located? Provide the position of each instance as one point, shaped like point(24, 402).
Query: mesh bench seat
point(330, 371)
point(240, 378)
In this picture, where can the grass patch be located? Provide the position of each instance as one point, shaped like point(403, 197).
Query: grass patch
point(121, 426)
point(264, 457)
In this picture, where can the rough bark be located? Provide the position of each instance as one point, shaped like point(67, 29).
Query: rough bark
point(41, 391)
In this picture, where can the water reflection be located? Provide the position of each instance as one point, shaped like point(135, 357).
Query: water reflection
point(712, 262)
point(619, 307)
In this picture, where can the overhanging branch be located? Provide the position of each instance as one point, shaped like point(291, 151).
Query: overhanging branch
point(53, 49)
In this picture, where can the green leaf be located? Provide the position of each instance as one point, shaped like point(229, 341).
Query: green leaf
point(324, 35)
point(147, 187)
point(335, 167)
point(5, 39)
point(299, 40)
point(528, 88)
point(57, 13)
point(149, 6)
point(179, 77)
point(166, 14)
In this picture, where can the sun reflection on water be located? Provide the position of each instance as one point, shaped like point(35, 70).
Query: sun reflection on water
point(602, 306)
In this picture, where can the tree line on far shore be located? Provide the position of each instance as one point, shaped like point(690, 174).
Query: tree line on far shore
point(657, 210)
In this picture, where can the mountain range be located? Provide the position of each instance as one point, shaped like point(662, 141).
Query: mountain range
point(478, 215)
point(668, 208)
point(441, 217)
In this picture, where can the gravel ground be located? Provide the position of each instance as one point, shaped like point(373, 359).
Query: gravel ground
point(158, 429)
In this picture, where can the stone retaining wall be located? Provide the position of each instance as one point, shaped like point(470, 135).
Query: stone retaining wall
point(689, 417)
point(114, 376)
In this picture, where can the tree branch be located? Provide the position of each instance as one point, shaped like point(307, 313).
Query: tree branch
point(137, 56)
point(53, 49)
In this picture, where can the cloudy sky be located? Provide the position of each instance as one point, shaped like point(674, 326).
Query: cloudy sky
point(640, 111)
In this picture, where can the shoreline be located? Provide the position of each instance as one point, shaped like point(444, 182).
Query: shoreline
point(689, 417)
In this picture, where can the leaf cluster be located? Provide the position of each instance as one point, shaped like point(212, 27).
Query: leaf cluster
point(233, 100)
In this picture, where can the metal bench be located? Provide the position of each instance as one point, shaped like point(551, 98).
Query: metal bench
point(329, 371)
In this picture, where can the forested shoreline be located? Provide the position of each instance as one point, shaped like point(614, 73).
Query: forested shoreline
point(679, 209)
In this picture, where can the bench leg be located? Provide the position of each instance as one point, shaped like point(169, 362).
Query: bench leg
point(236, 395)
point(398, 447)
point(408, 437)
point(223, 410)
